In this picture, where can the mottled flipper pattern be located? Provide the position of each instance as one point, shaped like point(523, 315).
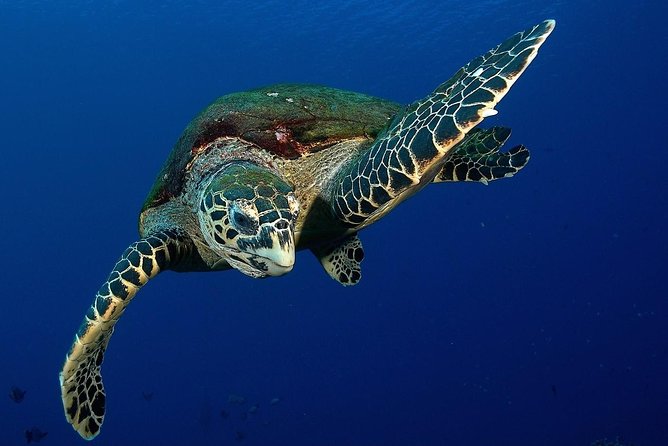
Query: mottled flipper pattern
point(410, 153)
point(81, 382)
point(342, 260)
point(478, 157)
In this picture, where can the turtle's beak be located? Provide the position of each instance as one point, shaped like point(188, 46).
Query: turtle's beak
point(279, 256)
point(279, 263)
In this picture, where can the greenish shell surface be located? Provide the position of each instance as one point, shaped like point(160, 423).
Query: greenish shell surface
point(288, 120)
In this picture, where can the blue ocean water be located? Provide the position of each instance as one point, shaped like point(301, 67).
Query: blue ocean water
point(532, 311)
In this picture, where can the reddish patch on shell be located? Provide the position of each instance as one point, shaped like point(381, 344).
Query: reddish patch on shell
point(282, 134)
point(212, 130)
point(278, 138)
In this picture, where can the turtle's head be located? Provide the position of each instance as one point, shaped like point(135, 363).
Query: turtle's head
point(247, 215)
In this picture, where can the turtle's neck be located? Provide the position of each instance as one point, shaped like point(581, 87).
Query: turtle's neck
point(208, 162)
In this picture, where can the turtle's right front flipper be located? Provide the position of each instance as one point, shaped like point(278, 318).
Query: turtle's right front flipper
point(81, 382)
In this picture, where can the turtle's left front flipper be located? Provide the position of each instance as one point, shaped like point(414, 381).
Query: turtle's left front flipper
point(478, 157)
point(80, 380)
point(413, 149)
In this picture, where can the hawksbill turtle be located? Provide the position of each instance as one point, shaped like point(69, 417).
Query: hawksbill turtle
point(260, 174)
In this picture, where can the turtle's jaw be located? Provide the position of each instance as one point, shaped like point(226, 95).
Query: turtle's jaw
point(272, 253)
point(278, 265)
point(278, 261)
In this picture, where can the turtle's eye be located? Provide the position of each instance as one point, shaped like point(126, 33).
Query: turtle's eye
point(244, 217)
point(241, 219)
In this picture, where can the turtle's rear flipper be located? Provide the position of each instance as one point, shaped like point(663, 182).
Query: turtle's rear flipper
point(342, 259)
point(478, 157)
point(80, 380)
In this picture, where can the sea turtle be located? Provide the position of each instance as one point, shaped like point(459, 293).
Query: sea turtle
point(260, 174)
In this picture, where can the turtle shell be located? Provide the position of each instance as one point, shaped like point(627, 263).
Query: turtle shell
point(288, 121)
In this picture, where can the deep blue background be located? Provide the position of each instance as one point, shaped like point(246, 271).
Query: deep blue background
point(475, 300)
